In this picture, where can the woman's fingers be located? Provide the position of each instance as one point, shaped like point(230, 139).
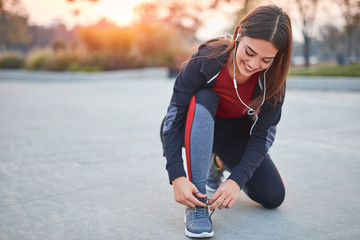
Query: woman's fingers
point(189, 204)
point(192, 202)
point(222, 202)
point(186, 193)
point(231, 203)
point(225, 196)
point(216, 202)
point(197, 202)
point(214, 197)
point(225, 203)
point(199, 194)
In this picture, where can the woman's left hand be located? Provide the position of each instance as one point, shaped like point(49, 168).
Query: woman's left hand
point(225, 196)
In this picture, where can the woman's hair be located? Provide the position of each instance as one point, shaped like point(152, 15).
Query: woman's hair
point(269, 23)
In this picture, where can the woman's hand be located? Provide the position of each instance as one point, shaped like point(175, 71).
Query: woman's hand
point(184, 191)
point(225, 196)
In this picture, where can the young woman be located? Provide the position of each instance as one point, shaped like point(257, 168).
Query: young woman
point(227, 101)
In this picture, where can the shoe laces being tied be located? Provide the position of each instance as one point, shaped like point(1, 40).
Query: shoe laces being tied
point(202, 212)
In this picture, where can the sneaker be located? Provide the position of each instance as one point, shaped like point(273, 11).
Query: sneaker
point(198, 223)
point(215, 176)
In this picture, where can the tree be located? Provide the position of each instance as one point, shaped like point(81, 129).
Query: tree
point(185, 16)
point(159, 45)
point(77, 10)
point(12, 6)
point(13, 24)
point(332, 43)
point(248, 4)
point(107, 37)
point(351, 13)
point(307, 10)
point(72, 1)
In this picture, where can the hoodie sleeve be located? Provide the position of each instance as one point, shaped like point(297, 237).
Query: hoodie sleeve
point(189, 80)
point(260, 141)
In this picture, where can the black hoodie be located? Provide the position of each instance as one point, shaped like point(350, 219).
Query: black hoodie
point(201, 72)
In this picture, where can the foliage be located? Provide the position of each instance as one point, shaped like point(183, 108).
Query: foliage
point(108, 39)
point(159, 45)
point(61, 61)
point(108, 61)
point(13, 29)
point(11, 60)
point(332, 40)
point(350, 70)
point(186, 16)
point(59, 45)
point(12, 6)
point(13, 24)
point(162, 35)
point(307, 10)
point(112, 47)
point(351, 12)
point(36, 59)
point(75, 67)
point(78, 60)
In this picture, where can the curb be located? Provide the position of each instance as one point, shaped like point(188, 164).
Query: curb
point(293, 82)
point(324, 83)
point(25, 75)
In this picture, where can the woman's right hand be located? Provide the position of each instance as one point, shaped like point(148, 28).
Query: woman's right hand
point(184, 191)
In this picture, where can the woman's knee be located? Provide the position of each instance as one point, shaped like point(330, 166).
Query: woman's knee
point(208, 98)
point(274, 199)
point(270, 196)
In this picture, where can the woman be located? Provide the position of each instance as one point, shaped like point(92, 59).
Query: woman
point(227, 101)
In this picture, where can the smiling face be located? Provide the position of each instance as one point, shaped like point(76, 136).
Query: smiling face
point(253, 55)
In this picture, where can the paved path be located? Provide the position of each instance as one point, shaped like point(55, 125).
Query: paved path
point(82, 160)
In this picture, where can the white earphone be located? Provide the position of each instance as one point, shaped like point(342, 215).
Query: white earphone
point(250, 110)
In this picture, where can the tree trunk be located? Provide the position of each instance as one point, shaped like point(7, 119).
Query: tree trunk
point(246, 6)
point(306, 50)
point(350, 34)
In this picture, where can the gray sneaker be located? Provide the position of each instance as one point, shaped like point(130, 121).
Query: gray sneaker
point(198, 223)
point(215, 176)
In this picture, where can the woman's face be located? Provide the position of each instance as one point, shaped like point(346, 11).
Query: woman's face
point(254, 55)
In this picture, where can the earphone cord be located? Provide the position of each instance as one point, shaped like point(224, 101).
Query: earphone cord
point(250, 111)
point(256, 116)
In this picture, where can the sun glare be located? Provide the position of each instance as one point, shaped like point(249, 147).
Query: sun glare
point(121, 12)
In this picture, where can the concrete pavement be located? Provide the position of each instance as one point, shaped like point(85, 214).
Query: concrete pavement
point(82, 160)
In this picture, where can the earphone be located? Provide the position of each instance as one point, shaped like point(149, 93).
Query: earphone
point(250, 110)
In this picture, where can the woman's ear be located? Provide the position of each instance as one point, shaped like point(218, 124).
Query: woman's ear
point(239, 29)
point(238, 33)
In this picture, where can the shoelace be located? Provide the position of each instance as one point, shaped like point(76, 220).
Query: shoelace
point(201, 211)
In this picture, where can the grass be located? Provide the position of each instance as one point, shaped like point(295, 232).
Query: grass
point(350, 70)
point(11, 60)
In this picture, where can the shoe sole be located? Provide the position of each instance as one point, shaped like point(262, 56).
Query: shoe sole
point(198, 235)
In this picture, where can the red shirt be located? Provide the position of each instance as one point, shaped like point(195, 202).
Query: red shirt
point(229, 104)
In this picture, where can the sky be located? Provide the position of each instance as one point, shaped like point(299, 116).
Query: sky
point(46, 12)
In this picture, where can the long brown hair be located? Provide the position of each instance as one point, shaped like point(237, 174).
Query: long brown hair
point(269, 23)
